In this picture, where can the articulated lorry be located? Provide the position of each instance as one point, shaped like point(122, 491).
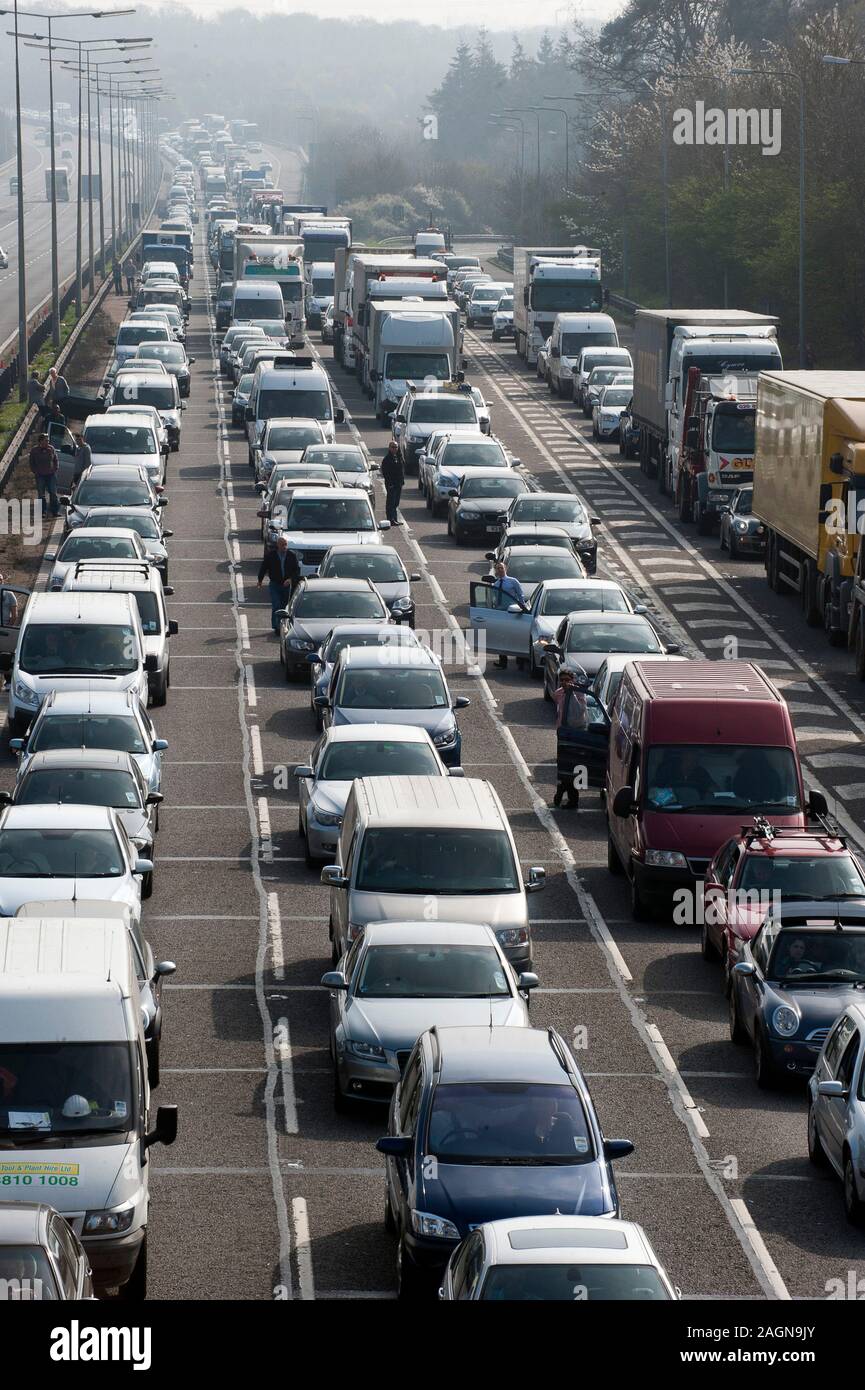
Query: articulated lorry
point(410, 340)
point(667, 343)
point(717, 454)
point(550, 280)
point(322, 235)
point(279, 259)
point(809, 490)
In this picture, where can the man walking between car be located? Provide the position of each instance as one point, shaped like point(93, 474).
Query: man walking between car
point(45, 466)
point(281, 569)
point(393, 477)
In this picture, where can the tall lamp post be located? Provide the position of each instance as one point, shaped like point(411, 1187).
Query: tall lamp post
point(521, 131)
point(797, 76)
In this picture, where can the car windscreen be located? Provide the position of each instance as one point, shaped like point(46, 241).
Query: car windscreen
point(725, 779)
point(520, 1122)
point(745, 502)
point(505, 306)
point(101, 492)
point(561, 297)
point(329, 514)
point(162, 397)
point(321, 286)
point(733, 431)
point(60, 853)
point(534, 568)
point(315, 405)
point(392, 636)
point(163, 352)
point(598, 636)
point(291, 436)
point(567, 510)
point(493, 487)
point(489, 293)
point(343, 460)
point(83, 786)
point(436, 860)
point(244, 385)
point(66, 1088)
point(802, 876)
point(368, 563)
point(117, 732)
point(805, 956)
point(26, 1273)
point(562, 1283)
point(443, 410)
point(612, 397)
point(417, 366)
point(431, 972)
point(81, 650)
point(337, 603)
point(144, 523)
point(393, 687)
point(120, 439)
point(343, 762)
point(131, 334)
point(97, 548)
point(148, 612)
point(611, 600)
point(473, 454)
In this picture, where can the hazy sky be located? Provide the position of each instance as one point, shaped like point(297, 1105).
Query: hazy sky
point(495, 14)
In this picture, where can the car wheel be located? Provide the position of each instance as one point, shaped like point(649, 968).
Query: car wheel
point(160, 692)
point(707, 946)
point(409, 1282)
point(816, 1152)
point(340, 1103)
point(135, 1288)
point(536, 672)
point(152, 1050)
point(389, 1223)
point(289, 673)
point(765, 1074)
point(854, 1207)
point(737, 1031)
point(310, 858)
point(614, 863)
point(547, 693)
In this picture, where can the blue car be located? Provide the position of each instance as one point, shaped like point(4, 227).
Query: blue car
point(792, 980)
point(485, 1124)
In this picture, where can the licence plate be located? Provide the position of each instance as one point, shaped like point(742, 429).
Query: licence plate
point(493, 530)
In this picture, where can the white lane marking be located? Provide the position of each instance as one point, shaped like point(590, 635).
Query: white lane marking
point(277, 1068)
point(251, 697)
point(676, 1078)
point(274, 927)
point(265, 830)
point(779, 1288)
point(302, 1247)
point(244, 631)
point(289, 1096)
point(257, 759)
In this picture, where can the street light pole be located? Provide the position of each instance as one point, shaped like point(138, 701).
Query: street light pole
point(562, 112)
point(522, 134)
point(23, 363)
point(788, 72)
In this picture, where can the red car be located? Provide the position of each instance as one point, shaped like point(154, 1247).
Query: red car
point(762, 861)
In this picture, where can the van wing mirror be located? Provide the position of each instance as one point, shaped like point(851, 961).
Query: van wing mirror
point(166, 1127)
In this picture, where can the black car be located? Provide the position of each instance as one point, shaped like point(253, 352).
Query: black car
point(487, 1123)
point(477, 509)
point(740, 531)
point(792, 980)
point(224, 301)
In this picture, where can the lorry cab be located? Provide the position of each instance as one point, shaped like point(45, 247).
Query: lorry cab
point(695, 751)
point(74, 1059)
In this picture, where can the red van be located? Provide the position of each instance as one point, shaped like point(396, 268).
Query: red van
point(696, 751)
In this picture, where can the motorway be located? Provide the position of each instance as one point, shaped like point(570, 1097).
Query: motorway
point(267, 1191)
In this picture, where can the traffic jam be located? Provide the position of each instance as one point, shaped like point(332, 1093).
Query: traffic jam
point(430, 841)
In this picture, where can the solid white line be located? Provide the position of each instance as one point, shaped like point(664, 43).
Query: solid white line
point(676, 1078)
point(778, 1286)
point(251, 697)
point(244, 631)
point(302, 1246)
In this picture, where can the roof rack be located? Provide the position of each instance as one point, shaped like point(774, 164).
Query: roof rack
point(288, 360)
point(763, 829)
point(142, 567)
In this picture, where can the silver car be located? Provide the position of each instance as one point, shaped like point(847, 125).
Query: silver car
point(98, 719)
point(315, 606)
point(397, 980)
point(836, 1108)
point(103, 543)
point(141, 520)
point(375, 750)
point(382, 566)
point(351, 635)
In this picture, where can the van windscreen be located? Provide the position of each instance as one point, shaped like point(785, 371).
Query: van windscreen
point(48, 1079)
point(312, 405)
point(441, 861)
point(721, 778)
point(82, 649)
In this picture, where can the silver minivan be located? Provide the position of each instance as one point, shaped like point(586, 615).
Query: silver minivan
point(418, 846)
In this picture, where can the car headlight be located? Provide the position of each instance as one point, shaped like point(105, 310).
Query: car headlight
point(403, 605)
point(301, 644)
point(588, 543)
point(424, 1223)
point(512, 936)
point(445, 480)
point(741, 525)
point(325, 817)
point(108, 1222)
point(468, 511)
point(25, 694)
point(369, 1052)
point(785, 1021)
point(446, 739)
point(666, 859)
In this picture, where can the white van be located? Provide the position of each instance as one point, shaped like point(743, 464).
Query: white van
point(443, 842)
point(429, 243)
point(144, 582)
point(290, 387)
point(319, 290)
point(253, 300)
point(571, 333)
point(591, 357)
point(76, 642)
point(73, 1053)
point(134, 332)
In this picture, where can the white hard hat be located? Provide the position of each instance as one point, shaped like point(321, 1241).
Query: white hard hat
point(76, 1107)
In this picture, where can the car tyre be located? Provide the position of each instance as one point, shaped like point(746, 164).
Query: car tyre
point(152, 1049)
point(707, 948)
point(733, 547)
point(737, 1031)
point(816, 1152)
point(614, 863)
point(147, 885)
point(536, 672)
point(389, 1223)
point(340, 1103)
point(854, 1207)
point(765, 1073)
point(160, 691)
point(409, 1282)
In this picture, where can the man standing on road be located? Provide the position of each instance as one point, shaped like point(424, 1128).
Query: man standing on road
point(510, 591)
point(129, 273)
point(58, 389)
point(393, 477)
point(281, 568)
point(36, 395)
point(118, 278)
point(45, 465)
point(83, 457)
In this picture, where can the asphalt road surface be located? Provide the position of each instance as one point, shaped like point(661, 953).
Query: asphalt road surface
point(268, 1192)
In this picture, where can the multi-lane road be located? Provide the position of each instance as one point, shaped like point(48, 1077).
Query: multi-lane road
point(268, 1192)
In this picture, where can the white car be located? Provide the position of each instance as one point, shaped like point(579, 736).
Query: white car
point(103, 543)
point(124, 437)
point(144, 522)
point(347, 752)
point(348, 461)
point(317, 518)
point(556, 1259)
point(607, 411)
point(54, 853)
point(284, 441)
point(503, 318)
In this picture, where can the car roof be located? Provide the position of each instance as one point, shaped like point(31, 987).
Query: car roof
point(333, 493)
point(443, 803)
point(498, 1053)
point(301, 421)
point(121, 576)
point(531, 528)
point(355, 548)
point(363, 658)
point(61, 607)
point(23, 1223)
point(338, 585)
point(341, 448)
point(497, 473)
point(526, 552)
point(79, 757)
point(86, 702)
point(151, 378)
point(544, 496)
point(100, 532)
point(593, 615)
point(375, 733)
point(566, 1240)
point(822, 914)
point(57, 817)
point(428, 934)
point(117, 418)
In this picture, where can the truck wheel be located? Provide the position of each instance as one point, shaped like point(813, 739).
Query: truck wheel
point(685, 509)
point(704, 522)
point(661, 476)
point(836, 636)
point(860, 650)
point(772, 565)
point(811, 610)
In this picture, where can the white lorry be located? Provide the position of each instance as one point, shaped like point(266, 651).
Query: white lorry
point(394, 289)
point(551, 280)
point(411, 341)
point(275, 259)
point(368, 273)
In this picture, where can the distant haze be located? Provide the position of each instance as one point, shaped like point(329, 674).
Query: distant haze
point(495, 14)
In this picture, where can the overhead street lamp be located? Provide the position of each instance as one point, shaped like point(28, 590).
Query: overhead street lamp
point(788, 72)
point(521, 131)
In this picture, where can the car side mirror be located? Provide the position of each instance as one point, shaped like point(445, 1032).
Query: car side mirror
point(672, 649)
point(555, 351)
point(490, 555)
point(414, 577)
point(832, 1090)
point(332, 876)
point(339, 415)
point(5, 798)
point(281, 614)
point(744, 967)
point(303, 770)
point(164, 967)
point(167, 535)
point(65, 499)
point(154, 799)
point(160, 745)
point(166, 1127)
point(384, 525)
point(617, 1148)
point(817, 804)
point(528, 980)
point(17, 745)
point(515, 608)
point(394, 1145)
point(535, 879)
point(461, 702)
point(623, 802)
point(334, 979)
point(452, 492)
point(456, 772)
point(173, 625)
point(143, 866)
point(151, 662)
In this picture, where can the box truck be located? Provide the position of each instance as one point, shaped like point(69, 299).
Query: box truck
point(550, 280)
point(411, 341)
